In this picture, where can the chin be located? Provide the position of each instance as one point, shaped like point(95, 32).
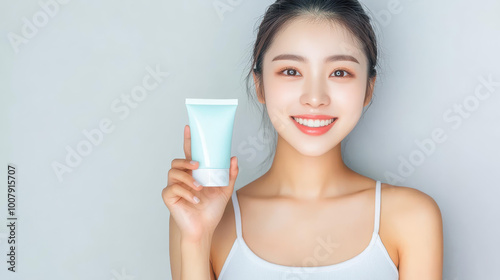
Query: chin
point(313, 149)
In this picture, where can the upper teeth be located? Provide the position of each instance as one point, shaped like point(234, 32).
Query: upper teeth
point(313, 123)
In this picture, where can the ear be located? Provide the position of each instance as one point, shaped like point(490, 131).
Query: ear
point(258, 89)
point(369, 90)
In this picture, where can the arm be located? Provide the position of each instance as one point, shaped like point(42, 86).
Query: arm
point(420, 231)
point(189, 260)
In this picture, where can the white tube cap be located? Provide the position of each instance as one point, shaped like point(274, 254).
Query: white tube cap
point(212, 177)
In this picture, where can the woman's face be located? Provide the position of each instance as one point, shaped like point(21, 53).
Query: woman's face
point(308, 84)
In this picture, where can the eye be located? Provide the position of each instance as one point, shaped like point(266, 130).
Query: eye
point(339, 73)
point(290, 72)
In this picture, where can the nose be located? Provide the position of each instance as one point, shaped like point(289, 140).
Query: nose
point(315, 93)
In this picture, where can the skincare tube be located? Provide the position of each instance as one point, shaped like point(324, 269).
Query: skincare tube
point(211, 124)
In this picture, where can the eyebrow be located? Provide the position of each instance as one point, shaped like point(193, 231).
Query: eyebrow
point(338, 57)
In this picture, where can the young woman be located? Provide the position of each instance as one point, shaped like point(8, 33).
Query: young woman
point(309, 216)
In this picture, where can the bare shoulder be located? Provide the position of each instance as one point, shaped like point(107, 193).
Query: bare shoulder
point(414, 216)
point(408, 202)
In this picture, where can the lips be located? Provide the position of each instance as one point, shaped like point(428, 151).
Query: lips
point(314, 131)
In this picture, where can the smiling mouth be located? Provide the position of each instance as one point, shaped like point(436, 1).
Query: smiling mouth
point(313, 122)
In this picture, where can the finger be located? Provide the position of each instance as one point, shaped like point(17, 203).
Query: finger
point(172, 193)
point(184, 164)
point(178, 176)
point(187, 142)
point(233, 172)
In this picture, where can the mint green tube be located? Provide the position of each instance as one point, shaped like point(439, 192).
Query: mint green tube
point(211, 124)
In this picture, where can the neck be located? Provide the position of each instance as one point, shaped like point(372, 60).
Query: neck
point(307, 177)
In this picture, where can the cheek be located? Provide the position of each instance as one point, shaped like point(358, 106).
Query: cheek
point(348, 98)
point(280, 88)
point(278, 111)
point(280, 95)
point(280, 98)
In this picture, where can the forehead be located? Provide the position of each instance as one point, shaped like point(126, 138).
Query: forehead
point(315, 39)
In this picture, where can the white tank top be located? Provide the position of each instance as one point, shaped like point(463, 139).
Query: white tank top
point(373, 263)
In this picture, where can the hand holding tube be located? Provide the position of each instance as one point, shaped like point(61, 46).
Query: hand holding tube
point(195, 220)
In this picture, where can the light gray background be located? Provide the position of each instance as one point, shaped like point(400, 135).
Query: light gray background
point(106, 219)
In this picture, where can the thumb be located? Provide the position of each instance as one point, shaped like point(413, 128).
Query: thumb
point(233, 174)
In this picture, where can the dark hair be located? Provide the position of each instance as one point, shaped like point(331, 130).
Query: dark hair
point(348, 13)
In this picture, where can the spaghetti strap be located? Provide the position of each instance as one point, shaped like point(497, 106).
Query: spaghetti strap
point(378, 191)
point(237, 215)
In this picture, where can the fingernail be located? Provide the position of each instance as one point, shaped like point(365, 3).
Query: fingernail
point(193, 162)
point(196, 200)
point(196, 184)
